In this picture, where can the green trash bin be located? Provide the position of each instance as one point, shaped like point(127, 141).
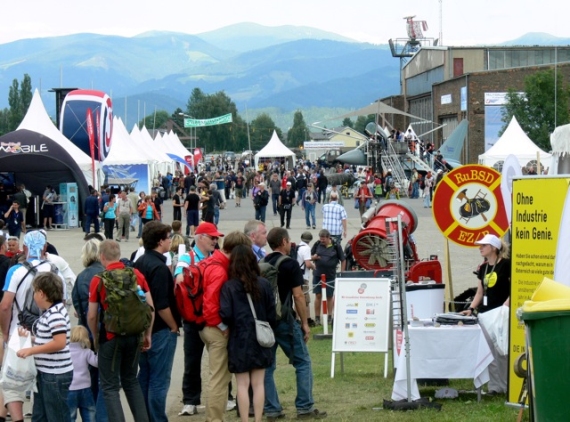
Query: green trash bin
point(548, 335)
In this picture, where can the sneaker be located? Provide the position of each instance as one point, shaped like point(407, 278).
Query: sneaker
point(311, 322)
point(231, 405)
point(317, 321)
point(314, 227)
point(313, 414)
point(308, 227)
point(189, 409)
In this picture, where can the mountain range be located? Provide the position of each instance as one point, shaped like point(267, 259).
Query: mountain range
point(273, 69)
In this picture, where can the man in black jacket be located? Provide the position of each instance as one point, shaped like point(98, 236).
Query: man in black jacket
point(156, 363)
point(322, 183)
point(92, 212)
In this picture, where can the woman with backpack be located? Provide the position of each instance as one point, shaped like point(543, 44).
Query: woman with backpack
point(246, 357)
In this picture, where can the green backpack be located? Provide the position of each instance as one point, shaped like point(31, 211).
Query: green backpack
point(127, 312)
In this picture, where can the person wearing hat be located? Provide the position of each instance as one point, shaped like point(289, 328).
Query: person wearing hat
point(286, 202)
point(206, 239)
point(18, 282)
point(493, 291)
point(306, 264)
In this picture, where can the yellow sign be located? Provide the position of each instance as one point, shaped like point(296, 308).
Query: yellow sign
point(537, 213)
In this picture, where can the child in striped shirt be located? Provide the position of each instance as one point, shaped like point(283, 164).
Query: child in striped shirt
point(50, 350)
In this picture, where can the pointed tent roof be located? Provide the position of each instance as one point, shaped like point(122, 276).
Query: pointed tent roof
point(274, 148)
point(123, 149)
point(514, 141)
point(40, 154)
point(37, 120)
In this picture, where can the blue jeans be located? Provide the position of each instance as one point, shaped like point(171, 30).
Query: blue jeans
point(300, 194)
point(275, 201)
point(155, 371)
point(427, 200)
point(82, 400)
point(260, 213)
point(290, 338)
point(50, 402)
point(118, 368)
point(310, 214)
point(416, 190)
point(216, 215)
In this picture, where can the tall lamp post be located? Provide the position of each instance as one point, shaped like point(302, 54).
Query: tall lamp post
point(191, 136)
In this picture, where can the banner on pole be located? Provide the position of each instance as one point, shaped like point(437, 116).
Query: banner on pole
point(220, 120)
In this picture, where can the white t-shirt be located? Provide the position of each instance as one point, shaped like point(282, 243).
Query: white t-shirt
point(304, 254)
point(26, 284)
point(140, 252)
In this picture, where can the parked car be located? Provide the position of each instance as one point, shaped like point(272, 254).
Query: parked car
point(230, 156)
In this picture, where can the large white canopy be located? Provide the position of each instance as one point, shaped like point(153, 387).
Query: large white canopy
point(514, 141)
point(37, 120)
point(124, 149)
point(274, 149)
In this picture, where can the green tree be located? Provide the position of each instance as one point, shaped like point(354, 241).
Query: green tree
point(347, 122)
point(226, 137)
point(155, 120)
point(299, 132)
point(261, 129)
point(535, 109)
point(19, 99)
point(4, 121)
point(362, 121)
point(16, 115)
point(25, 94)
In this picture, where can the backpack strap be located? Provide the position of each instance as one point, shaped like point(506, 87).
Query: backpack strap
point(31, 269)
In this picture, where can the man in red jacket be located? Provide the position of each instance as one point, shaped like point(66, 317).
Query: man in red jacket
point(215, 333)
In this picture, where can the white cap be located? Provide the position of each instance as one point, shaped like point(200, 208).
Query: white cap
point(490, 239)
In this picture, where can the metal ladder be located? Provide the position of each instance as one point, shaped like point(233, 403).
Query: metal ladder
point(391, 160)
point(420, 164)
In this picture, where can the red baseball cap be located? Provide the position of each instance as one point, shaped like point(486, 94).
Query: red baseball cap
point(208, 228)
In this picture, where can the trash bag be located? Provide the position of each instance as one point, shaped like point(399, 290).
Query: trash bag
point(18, 374)
point(496, 323)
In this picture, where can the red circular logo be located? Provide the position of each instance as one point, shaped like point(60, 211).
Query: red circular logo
point(468, 204)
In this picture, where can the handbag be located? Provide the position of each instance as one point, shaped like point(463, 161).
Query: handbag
point(356, 203)
point(368, 203)
point(18, 374)
point(263, 331)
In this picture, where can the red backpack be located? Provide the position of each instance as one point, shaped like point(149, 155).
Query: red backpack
point(189, 293)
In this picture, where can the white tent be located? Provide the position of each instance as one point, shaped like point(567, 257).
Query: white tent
point(123, 148)
point(275, 149)
point(514, 141)
point(37, 120)
point(126, 162)
point(174, 148)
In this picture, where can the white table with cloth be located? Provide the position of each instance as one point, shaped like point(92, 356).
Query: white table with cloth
point(448, 351)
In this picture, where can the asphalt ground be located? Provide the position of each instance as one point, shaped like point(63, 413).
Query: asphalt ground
point(430, 241)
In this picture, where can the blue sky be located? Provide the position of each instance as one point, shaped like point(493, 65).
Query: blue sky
point(463, 22)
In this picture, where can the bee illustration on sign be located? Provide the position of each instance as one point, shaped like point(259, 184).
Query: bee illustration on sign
point(473, 207)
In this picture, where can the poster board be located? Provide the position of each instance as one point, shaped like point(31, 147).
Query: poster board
point(361, 315)
point(537, 211)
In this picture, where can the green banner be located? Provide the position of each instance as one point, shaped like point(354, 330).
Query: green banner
point(226, 118)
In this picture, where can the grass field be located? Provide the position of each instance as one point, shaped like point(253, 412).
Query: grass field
point(358, 393)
